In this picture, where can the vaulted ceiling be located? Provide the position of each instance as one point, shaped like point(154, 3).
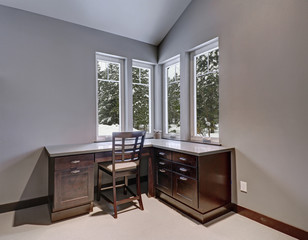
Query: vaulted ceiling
point(143, 20)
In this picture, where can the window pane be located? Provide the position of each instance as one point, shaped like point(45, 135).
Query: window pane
point(141, 99)
point(135, 75)
point(201, 64)
point(108, 97)
point(173, 85)
point(113, 71)
point(207, 93)
point(141, 107)
point(144, 76)
point(213, 61)
point(101, 70)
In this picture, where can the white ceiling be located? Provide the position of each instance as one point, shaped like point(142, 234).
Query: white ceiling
point(144, 20)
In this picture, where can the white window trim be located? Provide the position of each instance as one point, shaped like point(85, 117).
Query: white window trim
point(197, 51)
point(122, 62)
point(168, 63)
point(141, 64)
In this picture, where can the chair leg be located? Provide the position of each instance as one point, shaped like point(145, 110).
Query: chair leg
point(125, 185)
point(114, 197)
point(139, 190)
point(99, 184)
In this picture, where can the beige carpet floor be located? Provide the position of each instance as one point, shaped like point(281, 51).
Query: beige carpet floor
point(157, 221)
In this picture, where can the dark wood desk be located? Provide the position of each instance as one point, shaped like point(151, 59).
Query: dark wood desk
point(195, 178)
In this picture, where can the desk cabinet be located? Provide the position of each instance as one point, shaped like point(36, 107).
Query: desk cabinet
point(199, 186)
point(71, 184)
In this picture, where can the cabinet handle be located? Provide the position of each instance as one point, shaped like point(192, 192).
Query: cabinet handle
point(162, 170)
point(75, 171)
point(183, 178)
point(162, 153)
point(183, 169)
point(182, 159)
point(75, 161)
point(162, 163)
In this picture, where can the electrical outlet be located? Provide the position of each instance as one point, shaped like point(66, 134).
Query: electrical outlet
point(243, 186)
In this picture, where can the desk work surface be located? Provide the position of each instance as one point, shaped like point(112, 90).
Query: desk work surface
point(197, 149)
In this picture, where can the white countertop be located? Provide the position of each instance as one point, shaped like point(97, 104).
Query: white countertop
point(197, 149)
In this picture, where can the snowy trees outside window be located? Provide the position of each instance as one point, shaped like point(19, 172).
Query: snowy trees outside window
point(172, 99)
point(108, 97)
point(141, 98)
point(206, 92)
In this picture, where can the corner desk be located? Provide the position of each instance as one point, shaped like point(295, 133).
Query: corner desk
point(193, 177)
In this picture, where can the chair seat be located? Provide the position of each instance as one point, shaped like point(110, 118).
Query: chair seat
point(122, 166)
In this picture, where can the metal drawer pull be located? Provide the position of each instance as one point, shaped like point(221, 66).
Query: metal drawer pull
point(162, 170)
point(183, 169)
point(75, 161)
point(162, 163)
point(162, 153)
point(182, 159)
point(183, 178)
point(75, 171)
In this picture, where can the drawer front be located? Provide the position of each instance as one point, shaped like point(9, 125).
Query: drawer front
point(161, 163)
point(185, 170)
point(185, 190)
point(77, 161)
point(163, 180)
point(103, 157)
point(184, 159)
point(160, 153)
point(73, 188)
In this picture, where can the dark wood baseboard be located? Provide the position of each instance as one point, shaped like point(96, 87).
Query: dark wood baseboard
point(23, 204)
point(272, 223)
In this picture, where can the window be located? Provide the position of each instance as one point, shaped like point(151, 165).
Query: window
point(142, 95)
point(205, 96)
point(172, 99)
point(109, 102)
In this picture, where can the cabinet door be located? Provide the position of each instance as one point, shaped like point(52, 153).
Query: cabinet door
point(73, 187)
point(214, 181)
point(185, 190)
point(164, 180)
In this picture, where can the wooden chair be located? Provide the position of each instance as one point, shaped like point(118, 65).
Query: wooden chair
point(126, 156)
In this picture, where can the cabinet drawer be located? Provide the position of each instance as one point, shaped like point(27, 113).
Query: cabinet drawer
point(77, 161)
point(160, 153)
point(185, 190)
point(160, 163)
point(164, 180)
point(187, 171)
point(184, 159)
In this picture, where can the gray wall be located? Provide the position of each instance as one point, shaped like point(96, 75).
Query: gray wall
point(47, 92)
point(263, 95)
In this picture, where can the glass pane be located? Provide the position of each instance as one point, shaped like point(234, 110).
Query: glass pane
point(144, 75)
point(213, 61)
point(108, 107)
point(173, 76)
point(113, 71)
point(201, 65)
point(141, 119)
point(101, 70)
point(207, 92)
point(135, 75)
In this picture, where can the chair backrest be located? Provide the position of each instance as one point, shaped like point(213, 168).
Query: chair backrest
point(127, 146)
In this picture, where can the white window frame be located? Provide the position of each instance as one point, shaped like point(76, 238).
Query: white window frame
point(122, 62)
point(145, 65)
point(197, 51)
point(167, 64)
